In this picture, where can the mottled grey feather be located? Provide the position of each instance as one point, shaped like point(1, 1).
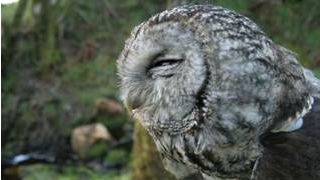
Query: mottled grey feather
point(206, 83)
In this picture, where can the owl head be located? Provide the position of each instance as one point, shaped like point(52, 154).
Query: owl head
point(194, 66)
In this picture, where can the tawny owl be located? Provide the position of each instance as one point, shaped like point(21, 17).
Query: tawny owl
point(210, 86)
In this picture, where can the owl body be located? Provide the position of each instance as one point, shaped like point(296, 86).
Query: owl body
point(206, 83)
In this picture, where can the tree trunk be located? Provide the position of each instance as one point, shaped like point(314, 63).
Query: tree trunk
point(46, 25)
point(10, 31)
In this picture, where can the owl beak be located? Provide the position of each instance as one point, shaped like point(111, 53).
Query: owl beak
point(132, 105)
point(133, 111)
point(135, 115)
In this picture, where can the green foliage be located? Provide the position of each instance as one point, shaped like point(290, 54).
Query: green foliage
point(117, 157)
point(8, 11)
point(93, 72)
point(237, 5)
point(317, 73)
point(57, 62)
point(49, 172)
point(96, 151)
point(313, 38)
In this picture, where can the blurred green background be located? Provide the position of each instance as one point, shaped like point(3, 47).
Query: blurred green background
point(59, 73)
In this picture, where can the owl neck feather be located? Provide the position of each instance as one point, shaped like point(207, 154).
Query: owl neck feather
point(216, 160)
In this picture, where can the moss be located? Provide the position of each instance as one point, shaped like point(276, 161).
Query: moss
point(96, 151)
point(117, 156)
point(51, 172)
point(147, 164)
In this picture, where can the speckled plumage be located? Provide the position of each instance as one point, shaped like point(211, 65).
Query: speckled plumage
point(206, 82)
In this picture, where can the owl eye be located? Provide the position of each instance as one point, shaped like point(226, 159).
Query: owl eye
point(164, 66)
point(165, 62)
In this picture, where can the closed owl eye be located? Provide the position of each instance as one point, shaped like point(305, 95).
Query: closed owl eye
point(165, 62)
point(164, 66)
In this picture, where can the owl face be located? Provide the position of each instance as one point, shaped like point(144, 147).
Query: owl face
point(162, 71)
